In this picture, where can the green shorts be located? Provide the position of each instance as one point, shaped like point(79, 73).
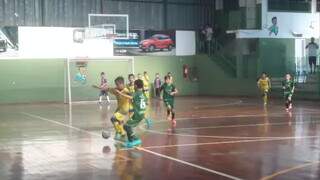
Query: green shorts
point(136, 118)
point(169, 103)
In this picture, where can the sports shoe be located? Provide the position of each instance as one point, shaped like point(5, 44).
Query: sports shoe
point(148, 123)
point(134, 143)
point(119, 137)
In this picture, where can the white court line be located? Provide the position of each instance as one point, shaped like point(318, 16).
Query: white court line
point(248, 125)
point(220, 105)
point(142, 149)
point(228, 142)
point(190, 164)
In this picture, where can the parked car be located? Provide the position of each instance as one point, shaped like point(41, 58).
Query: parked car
point(157, 41)
point(3, 45)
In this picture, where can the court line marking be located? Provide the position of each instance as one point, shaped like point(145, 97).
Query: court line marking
point(289, 170)
point(227, 142)
point(142, 149)
point(248, 125)
point(190, 164)
point(220, 105)
point(72, 127)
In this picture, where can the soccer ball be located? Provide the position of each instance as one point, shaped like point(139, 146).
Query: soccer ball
point(106, 134)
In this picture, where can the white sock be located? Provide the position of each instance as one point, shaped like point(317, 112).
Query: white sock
point(100, 98)
point(108, 99)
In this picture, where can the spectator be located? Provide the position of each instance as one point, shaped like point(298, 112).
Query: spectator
point(157, 85)
point(312, 53)
point(208, 36)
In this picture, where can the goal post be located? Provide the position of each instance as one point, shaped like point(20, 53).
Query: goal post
point(81, 74)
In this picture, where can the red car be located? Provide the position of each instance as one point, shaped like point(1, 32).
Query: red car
point(157, 41)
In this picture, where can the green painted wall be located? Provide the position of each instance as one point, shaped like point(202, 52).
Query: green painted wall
point(31, 80)
point(213, 81)
point(24, 81)
point(276, 56)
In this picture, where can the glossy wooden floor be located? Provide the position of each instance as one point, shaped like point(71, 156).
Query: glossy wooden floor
point(216, 138)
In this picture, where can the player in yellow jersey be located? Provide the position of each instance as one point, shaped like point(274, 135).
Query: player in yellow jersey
point(264, 86)
point(123, 107)
point(130, 87)
point(146, 84)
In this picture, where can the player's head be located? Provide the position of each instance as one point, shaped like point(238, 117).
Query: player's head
point(119, 81)
point(138, 84)
point(312, 39)
point(274, 20)
point(139, 76)
point(264, 75)
point(102, 74)
point(288, 76)
point(145, 73)
point(131, 78)
point(167, 79)
point(157, 75)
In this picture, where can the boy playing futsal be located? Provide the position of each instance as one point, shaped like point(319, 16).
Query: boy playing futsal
point(169, 91)
point(139, 101)
point(103, 88)
point(122, 110)
point(264, 85)
point(288, 90)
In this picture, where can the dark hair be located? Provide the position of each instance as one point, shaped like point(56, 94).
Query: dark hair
point(274, 18)
point(166, 77)
point(119, 79)
point(138, 83)
point(145, 72)
point(130, 75)
point(102, 73)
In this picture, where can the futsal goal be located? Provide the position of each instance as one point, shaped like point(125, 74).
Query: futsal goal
point(81, 74)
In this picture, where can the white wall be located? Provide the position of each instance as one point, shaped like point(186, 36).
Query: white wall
point(306, 24)
point(185, 43)
point(57, 42)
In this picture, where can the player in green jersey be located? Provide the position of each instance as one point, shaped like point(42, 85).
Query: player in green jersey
point(288, 86)
point(169, 91)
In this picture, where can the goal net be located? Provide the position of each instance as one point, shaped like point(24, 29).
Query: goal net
point(117, 24)
point(82, 74)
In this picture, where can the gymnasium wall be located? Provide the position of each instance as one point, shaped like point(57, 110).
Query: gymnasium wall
point(42, 80)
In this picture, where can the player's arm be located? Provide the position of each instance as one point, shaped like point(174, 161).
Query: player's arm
point(123, 94)
point(258, 83)
point(174, 92)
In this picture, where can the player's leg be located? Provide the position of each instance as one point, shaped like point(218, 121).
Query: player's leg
point(102, 93)
point(290, 101)
point(134, 121)
point(265, 97)
point(310, 64)
point(286, 97)
point(314, 63)
point(108, 98)
point(117, 120)
point(173, 114)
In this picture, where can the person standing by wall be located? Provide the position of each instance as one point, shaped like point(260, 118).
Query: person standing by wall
point(208, 34)
point(312, 54)
point(157, 85)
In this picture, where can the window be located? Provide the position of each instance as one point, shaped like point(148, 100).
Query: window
point(290, 5)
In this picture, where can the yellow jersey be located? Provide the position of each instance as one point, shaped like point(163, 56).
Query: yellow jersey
point(264, 83)
point(130, 88)
point(123, 102)
point(146, 81)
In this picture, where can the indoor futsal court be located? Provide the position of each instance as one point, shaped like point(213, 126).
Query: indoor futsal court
point(159, 90)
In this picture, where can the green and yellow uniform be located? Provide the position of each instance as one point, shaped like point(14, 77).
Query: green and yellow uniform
point(121, 111)
point(139, 101)
point(168, 99)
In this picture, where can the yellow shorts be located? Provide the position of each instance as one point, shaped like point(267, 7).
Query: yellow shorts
point(120, 116)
